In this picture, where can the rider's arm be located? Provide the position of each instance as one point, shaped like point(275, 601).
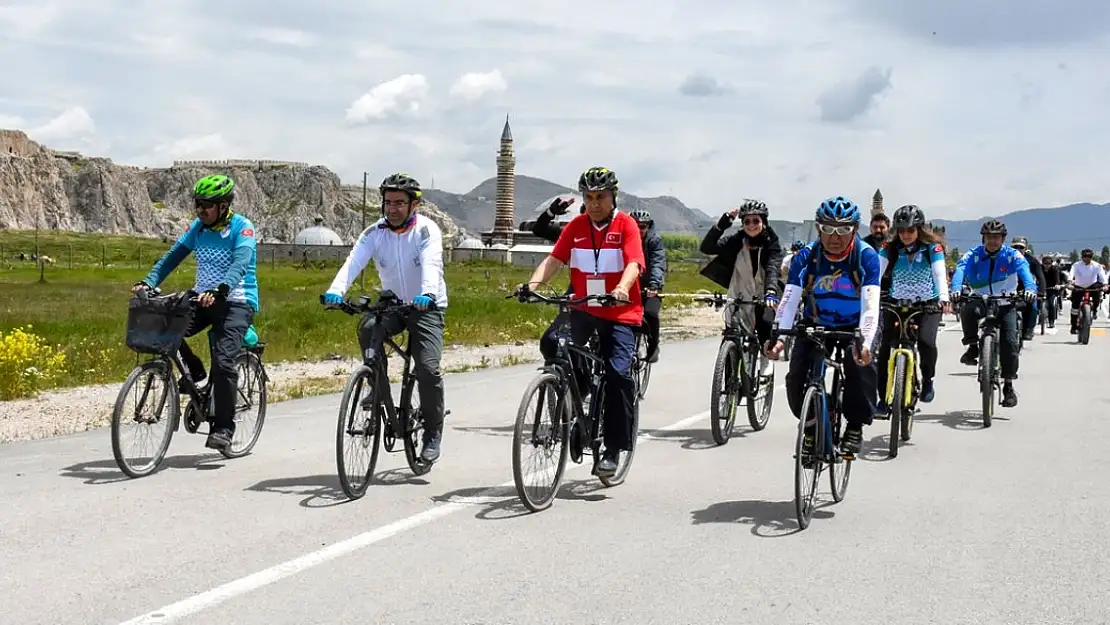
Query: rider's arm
point(656, 262)
point(245, 248)
point(713, 242)
point(173, 257)
point(1038, 275)
point(356, 261)
point(792, 294)
point(771, 266)
point(431, 258)
point(869, 295)
point(940, 272)
point(958, 274)
point(545, 229)
point(1021, 268)
point(633, 251)
point(883, 261)
point(559, 256)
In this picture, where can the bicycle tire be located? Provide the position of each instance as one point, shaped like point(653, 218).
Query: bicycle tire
point(804, 501)
point(724, 375)
point(986, 377)
point(752, 385)
point(626, 456)
point(915, 380)
point(643, 367)
point(897, 403)
point(348, 407)
point(840, 468)
point(1085, 324)
point(161, 368)
point(523, 429)
point(253, 365)
point(412, 424)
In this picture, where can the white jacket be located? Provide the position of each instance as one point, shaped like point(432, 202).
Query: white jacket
point(409, 263)
point(1086, 275)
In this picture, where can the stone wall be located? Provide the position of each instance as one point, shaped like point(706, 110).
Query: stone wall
point(235, 162)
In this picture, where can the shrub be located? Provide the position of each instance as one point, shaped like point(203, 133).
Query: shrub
point(27, 364)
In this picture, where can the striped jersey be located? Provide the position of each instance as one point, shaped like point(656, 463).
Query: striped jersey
point(597, 254)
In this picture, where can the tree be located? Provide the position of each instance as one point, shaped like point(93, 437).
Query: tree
point(1104, 257)
point(1074, 256)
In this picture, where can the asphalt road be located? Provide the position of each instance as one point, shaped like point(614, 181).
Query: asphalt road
point(967, 525)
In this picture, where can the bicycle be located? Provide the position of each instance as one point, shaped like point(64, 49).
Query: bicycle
point(737, 372)
point(1053, 302)
point(641, 367)
point(572, 428)
point(156, 326)
point(367, 417)
point(990, 370)
point(822, 409)
point(1085, 313)
point(903, 387)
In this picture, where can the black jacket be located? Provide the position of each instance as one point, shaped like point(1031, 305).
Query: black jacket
point(1053, 276)
point(1038, 272)
point(545, 229)
point(727, 248)
point(652, 276)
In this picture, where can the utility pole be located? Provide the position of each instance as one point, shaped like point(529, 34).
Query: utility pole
point(361, 279)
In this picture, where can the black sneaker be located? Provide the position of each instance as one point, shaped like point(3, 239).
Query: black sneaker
point(653, 355)
point(432, 440)
point(971, 356)
point(1009, 397)
point(608, 464)
point(220, 438)
point(852, 440)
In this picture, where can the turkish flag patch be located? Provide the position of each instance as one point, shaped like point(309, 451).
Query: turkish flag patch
point(248, 232)
point(614, 238)
point(938, 248)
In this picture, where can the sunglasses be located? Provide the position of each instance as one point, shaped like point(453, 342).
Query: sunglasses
point(395, 203)
point(205, 204)
point(753, 221)
point(834, 229)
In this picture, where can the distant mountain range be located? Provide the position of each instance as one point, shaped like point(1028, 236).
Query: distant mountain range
point(1061, 229)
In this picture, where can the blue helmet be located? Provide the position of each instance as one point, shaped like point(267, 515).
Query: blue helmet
point(838, 209)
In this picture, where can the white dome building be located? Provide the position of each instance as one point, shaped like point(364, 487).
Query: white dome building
point(317, 235)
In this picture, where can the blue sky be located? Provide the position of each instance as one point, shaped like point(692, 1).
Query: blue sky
point(963, 108)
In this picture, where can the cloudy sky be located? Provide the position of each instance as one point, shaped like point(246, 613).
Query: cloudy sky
point(965, 108)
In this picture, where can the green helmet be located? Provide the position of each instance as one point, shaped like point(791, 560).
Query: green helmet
point(217, 187)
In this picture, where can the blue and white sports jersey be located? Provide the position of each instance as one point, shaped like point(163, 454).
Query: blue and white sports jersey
point(215, 251)
point(919, 275)
point(837, 298)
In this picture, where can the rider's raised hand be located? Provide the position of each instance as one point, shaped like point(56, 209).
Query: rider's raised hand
point(559, 206)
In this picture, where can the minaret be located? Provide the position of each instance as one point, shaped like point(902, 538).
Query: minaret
point(505, 217)
point(877, 203)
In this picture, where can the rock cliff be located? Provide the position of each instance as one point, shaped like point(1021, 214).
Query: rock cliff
point(44, 188)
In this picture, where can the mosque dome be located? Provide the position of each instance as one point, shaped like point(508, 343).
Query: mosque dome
point(317, 235)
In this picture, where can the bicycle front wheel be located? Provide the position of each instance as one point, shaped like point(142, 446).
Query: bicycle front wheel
point(807, 465)
point(986, 377)
point(725, 394)
point(153, 389)
point(1085, 324)
point(759, 390)
point(897, 403)
point(539, 443)
point(357, 434)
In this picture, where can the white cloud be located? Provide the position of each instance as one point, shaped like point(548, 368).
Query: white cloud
point(11, 121)
point(968, 121)
point(403, 93)
point(474, 85)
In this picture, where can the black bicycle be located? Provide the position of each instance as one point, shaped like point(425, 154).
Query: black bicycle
point(641, 367)
point(738, 370)
point(156, 326)
point(562, 386)
point(1054, 300)
point(367, 413)
point(990, 371)
point(903, 387)
point(823, 411)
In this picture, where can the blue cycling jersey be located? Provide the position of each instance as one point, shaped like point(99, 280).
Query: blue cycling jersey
point(224, 256)
point(835, 294)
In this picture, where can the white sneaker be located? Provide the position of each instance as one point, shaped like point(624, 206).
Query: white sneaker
point(768, 368)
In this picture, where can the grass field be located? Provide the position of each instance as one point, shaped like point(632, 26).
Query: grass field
point(83, 310)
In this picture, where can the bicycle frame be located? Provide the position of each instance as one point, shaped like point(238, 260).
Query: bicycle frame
point(823, 358)
point(906, 313)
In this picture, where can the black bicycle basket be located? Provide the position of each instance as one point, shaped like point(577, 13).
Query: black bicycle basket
point(157, 325)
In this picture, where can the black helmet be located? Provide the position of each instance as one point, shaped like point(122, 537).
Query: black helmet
point(641, 216)
point(1087, 252)
point(908, 216)
point(1020, 243)
point(993, 226)
point(598, 179)
point(401, 182)
point(752, 207)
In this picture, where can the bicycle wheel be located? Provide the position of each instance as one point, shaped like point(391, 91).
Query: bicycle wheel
point(725, 394)
point(986, 377)
point(758, 389)
point(155, 388)
point(357, 434)
point(250, 396)
point(897, 403)
point(807, 467)
point(840, 468)
point(547, 440)
point(412, 422)
point(625, 462)
point(1085, 324)
point(643, 367)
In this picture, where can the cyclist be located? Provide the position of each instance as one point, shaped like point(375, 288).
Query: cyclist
point(407, 249)
point(605, 255)
point(918, 273)
point(225, 248)
point(1055, 279)
point(1084, 275)
point(654, 274)
point(784, 268)
point(747, 263)
point(1029, 316)
point(991, 268)
point(840, 274)
point(880, 230)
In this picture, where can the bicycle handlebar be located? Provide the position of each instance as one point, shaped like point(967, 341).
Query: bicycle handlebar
point(719, 300)
point(527, 296)
point(387, 301)
point(925, 306)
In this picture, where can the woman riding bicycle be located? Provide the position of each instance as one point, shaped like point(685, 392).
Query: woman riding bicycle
point(914, 260)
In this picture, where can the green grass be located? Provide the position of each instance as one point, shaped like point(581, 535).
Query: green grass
point(84, 309)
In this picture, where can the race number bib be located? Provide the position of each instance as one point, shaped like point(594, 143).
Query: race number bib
point(595, 286)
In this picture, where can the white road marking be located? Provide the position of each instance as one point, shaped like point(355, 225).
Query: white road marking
point(215, 596)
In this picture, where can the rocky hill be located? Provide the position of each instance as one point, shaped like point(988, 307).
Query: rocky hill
point(43, 188)
point(474, 210)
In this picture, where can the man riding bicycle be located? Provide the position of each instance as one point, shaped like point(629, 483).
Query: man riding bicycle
point(1055, 278)
point(407, 249)
point(225, 248)
point(747, 264)
point(993, 268)
point(1029, 317)
point(784, 267)
point(605, 254)
point(654, 275)
point(839, 275)
point(1084, 275)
